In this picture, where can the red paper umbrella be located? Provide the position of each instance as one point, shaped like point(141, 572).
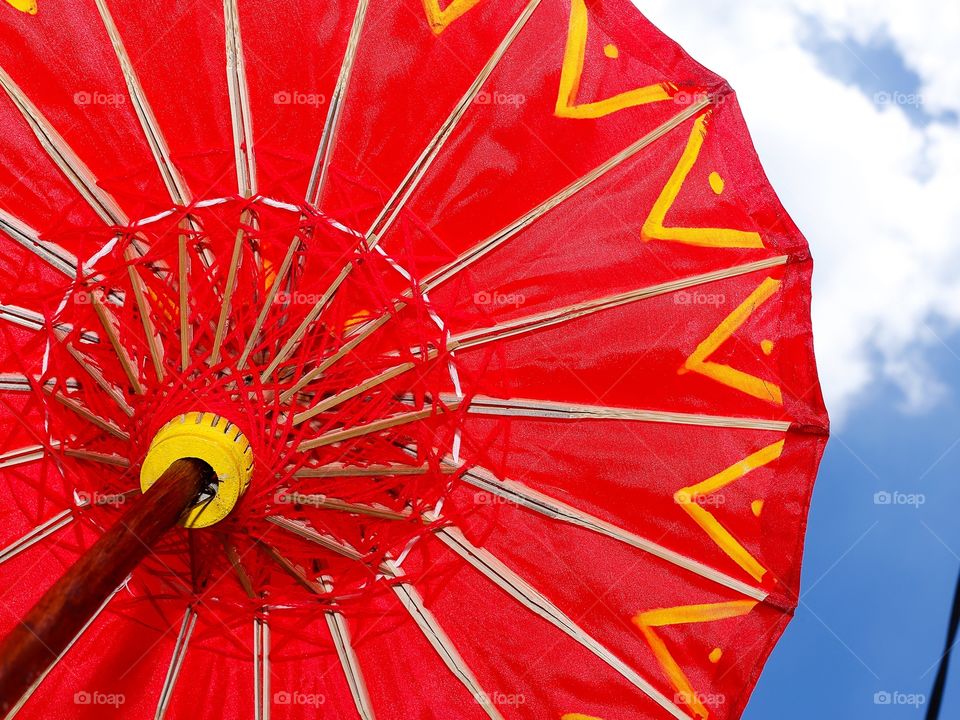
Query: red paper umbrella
point(467, 346)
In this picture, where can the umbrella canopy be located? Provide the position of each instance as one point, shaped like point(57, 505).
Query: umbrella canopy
point(491, 306)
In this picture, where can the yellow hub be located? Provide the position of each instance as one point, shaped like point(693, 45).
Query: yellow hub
point(217, 442)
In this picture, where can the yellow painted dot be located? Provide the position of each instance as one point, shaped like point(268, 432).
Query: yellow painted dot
point(27, 6)
point(715, 655)
point(716, 182)
point(766, 346)
point(756, 507)
point(611, 51)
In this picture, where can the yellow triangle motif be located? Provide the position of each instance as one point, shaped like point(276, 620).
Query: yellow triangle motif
point(572, 69)
point(737, 379)
point(27, 6)
point(688, 497)
point(682, 615)
point(440, 19)
point(653, 228)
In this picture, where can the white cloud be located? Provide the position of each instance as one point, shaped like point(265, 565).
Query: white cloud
point(875, 194)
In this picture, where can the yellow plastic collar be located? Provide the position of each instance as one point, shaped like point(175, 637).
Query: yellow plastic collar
point(217, 442)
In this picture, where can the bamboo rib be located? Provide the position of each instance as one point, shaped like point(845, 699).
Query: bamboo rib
point(172, 178)
point(262, 699)
point(294, 340)
point(268, 301)
point(539, 321)
point(441, 275)
point(532, 323)
point(413, 603)
point(63, 155)
point(386, 423)
point(416, 173)
point(183, 297)
point(527, 596)
point(340, 634)
point(323, 502)
point(17, 382)
point(318, 175)
point(308, 533)
point(109, 389)
point(338, 470)
point(39, 533)
point(522, 407)
point(176, 662)
point(29, 239)
point(22, 456)
point(352, 392)
point(231, 283)
point(107, 322)
point(32, 320)
point(36, 683)
point(103, 458)
point(239, 102)
point(538, 502)
point(82, 411)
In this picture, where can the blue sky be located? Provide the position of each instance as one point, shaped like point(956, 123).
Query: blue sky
point(877, 579)
point(853, 106)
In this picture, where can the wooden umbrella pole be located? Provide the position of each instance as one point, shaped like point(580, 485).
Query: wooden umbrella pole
point(32, 648)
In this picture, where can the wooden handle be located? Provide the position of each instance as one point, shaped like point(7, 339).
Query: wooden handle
point(48, 630)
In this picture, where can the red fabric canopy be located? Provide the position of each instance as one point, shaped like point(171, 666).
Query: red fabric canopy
point(515, 324)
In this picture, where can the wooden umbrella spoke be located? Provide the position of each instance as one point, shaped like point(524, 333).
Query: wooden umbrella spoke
point(246, 218)
point(172, 177)
point(368, 384)
point(550, 507)
point(176, 661)
point(239, 94)
point(307, 533)
point(423, 163)
point(340, 633)
point(413, 603)
point(335, 436)
point(539, 321)
point(339, 470)
point(318, 175)
point(546, 409)
point(83, 412)
point(261, 667)
point(29, 239)
point(297, 336)
point(441, 275)
point(37, 534)
point(526, 595)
